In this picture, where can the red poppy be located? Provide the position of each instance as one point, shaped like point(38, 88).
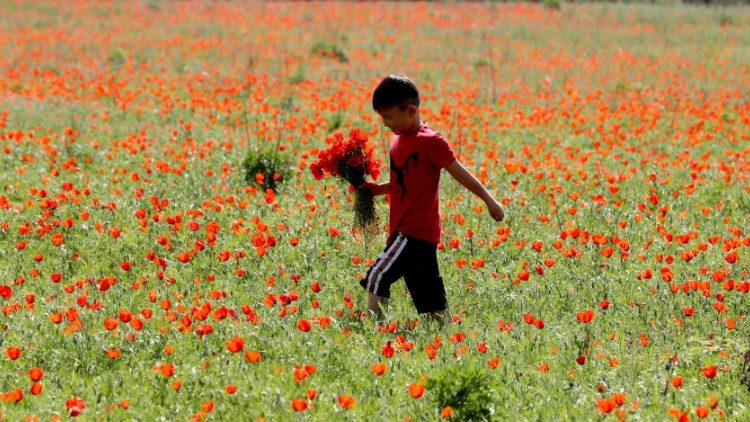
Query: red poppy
point(606, 405)
point(304, 325)
point(75, 406)
point(207, 406)
point(5, 291)
point(346, 401)
point(585, 316)
point(235, 344)
point(110, 323)
point(13, 352)
point(12, 396)
point(299, 405)
point(388, 350)
point(166, 369)
point(36, 388)
point(35, 374)
point(709, 371)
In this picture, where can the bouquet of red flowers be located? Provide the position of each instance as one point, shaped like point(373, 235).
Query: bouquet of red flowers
point(351, 160)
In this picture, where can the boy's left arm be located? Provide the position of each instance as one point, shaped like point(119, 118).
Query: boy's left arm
point(465, 178)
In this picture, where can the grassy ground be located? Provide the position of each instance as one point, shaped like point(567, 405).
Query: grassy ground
point(615, 135)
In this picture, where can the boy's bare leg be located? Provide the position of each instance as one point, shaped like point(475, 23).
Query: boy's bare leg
point(442, 317)
point(376, 304)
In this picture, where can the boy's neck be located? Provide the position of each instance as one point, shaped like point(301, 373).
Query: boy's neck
point(414, 128)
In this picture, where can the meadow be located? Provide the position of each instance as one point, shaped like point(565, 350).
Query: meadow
point(142, 276)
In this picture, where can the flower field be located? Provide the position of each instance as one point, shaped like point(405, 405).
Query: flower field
point(144, 276)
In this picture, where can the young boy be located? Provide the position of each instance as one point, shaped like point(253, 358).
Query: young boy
point(417, 155)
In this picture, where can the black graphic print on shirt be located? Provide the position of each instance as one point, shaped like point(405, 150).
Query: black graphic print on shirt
point(402, 170)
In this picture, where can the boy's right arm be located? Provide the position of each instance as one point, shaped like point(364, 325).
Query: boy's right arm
point(375, 188)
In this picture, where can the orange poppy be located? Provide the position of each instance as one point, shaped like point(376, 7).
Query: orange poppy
point(299, 405)
point(253, 356)
point(416, 390)
point(378, 368)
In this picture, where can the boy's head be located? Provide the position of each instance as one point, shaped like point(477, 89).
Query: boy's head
point(396, 99)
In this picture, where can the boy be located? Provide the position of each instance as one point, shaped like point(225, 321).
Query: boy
point(417, 155)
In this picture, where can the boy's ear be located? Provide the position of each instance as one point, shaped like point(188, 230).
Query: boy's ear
point(412, 109)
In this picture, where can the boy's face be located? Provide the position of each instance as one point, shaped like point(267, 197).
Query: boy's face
point(398, 120)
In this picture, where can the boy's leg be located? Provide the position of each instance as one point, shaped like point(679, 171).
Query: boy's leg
point(442, 317)
point(376, 304)
point(382, 273)
point(425, 284)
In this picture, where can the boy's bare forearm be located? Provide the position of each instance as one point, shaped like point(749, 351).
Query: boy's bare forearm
point(381, 188)
point(477, 188)
point(466, 179)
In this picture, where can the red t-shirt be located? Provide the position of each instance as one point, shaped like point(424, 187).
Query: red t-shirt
point(416, 161)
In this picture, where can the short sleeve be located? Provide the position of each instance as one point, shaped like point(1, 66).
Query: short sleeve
point(439, 152)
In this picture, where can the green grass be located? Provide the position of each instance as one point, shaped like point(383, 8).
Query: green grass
point(177, 96)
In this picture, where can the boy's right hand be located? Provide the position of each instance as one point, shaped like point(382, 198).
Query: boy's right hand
point(496, 211)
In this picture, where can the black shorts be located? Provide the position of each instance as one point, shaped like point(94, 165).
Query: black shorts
point(416, 261)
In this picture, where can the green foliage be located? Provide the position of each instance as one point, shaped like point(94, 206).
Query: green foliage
point(468, 391)
point(746, 367)
point(725, 19)
point(153, 5)
point(601, 134)
point(335, 121)
point(482, 62)
point(117, 57)
point(552, 4)
point(330, 50)
point(267, 167)
point(298, 76)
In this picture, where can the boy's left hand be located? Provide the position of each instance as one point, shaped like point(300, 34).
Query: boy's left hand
point(496, 211)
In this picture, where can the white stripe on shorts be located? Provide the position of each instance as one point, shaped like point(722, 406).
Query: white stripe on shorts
point(389, 256)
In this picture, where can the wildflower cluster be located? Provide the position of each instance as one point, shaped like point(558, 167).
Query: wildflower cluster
point(351, 160)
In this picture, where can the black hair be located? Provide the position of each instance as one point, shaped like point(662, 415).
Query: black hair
point(395, 90)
